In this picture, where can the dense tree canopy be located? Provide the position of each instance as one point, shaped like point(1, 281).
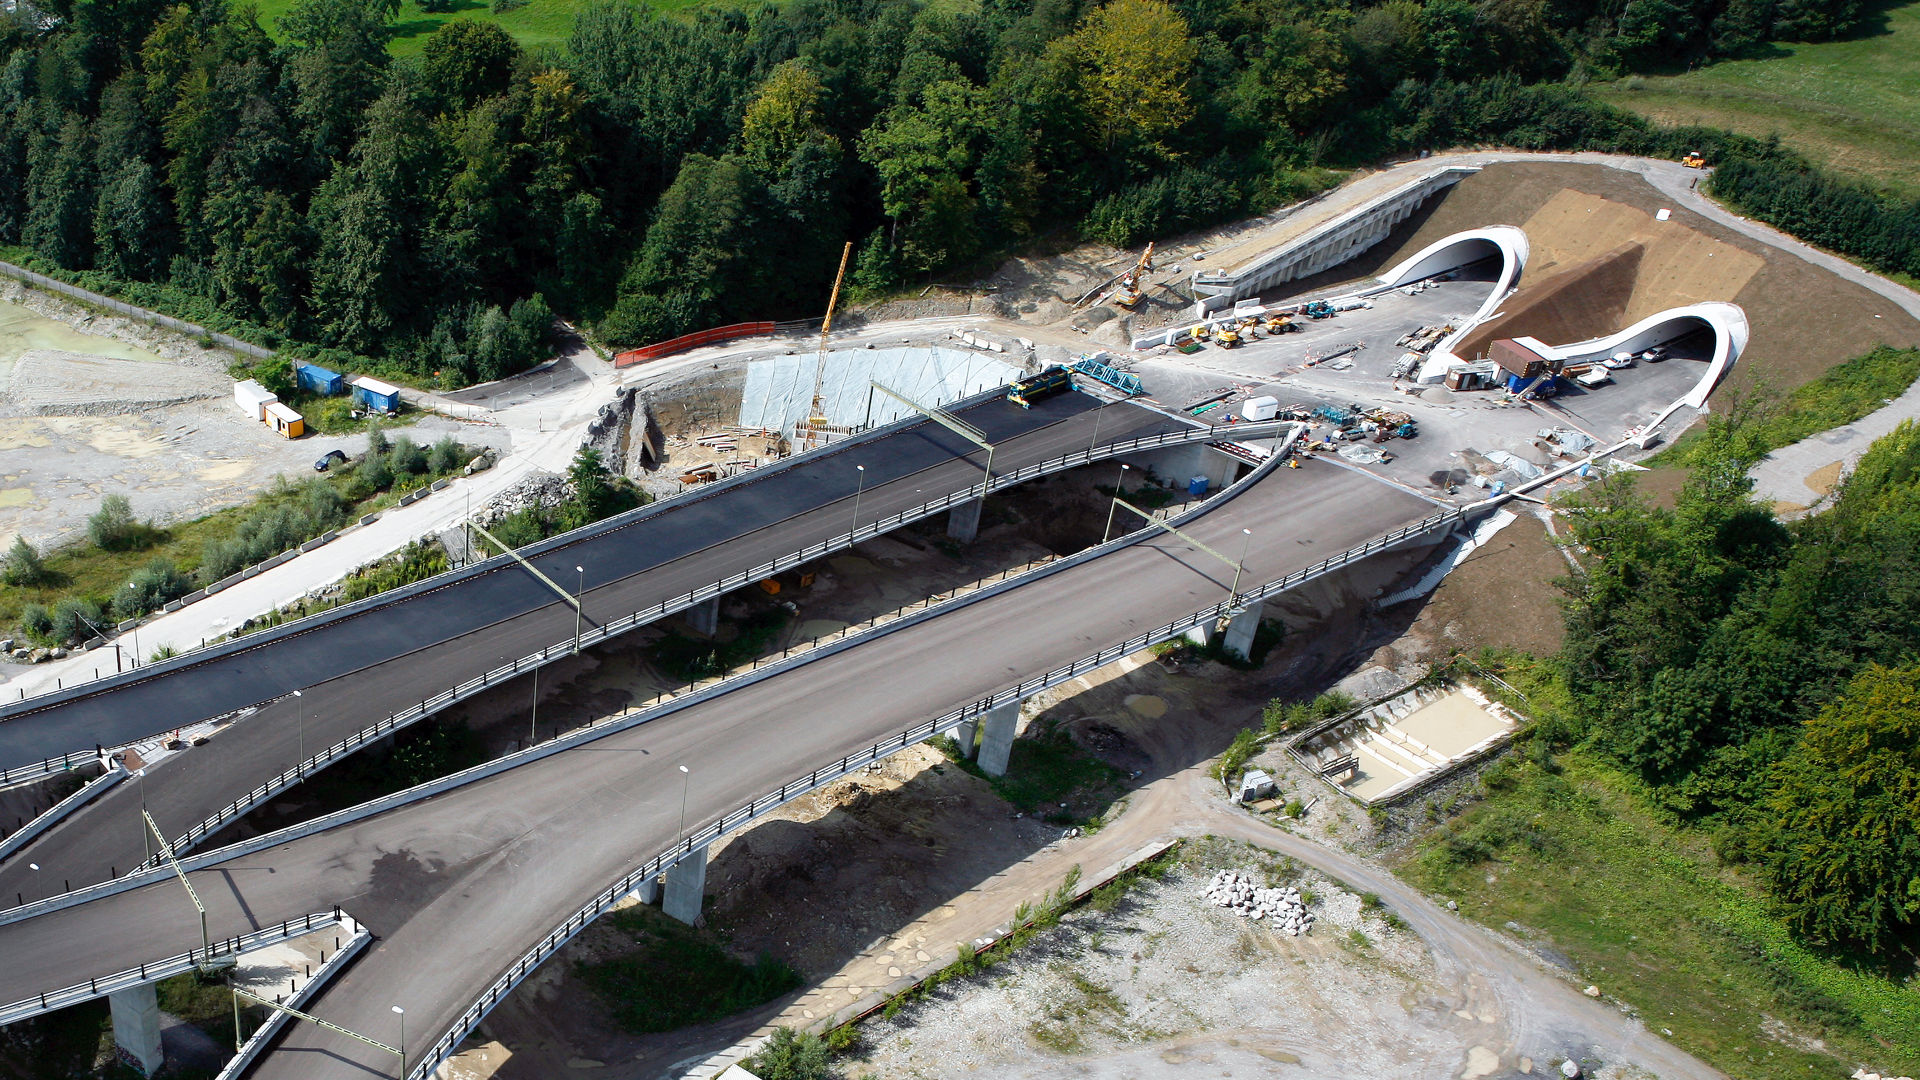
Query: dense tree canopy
point(663, 172)
point(1761, 677)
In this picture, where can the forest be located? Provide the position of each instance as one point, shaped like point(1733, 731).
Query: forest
point(1760, 677)
point(296, 185)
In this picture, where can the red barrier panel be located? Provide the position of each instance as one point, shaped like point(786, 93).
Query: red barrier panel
point(691, 341)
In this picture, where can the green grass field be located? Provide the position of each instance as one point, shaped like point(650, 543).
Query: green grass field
point(1646, 912)
point(537, 24)
point(1852, 106)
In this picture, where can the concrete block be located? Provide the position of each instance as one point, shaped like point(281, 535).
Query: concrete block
point(963, 521)
point(370, 519)
point(194, 597)
point(1240, 630)
point(997, 730)
point(171, 606)
point(440, 484)
point(126, 626)
point(703, 619)
point(136, 1027)
point(686, 886)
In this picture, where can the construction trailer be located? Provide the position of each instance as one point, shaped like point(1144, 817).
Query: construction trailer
point(318, 380)
point(376, 395)
point(284, 420)
point(253, 398)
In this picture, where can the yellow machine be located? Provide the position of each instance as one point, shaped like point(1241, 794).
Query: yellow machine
point(1228, 336)
point(1694, 160)
point(1200, 333)
point(1130, 294)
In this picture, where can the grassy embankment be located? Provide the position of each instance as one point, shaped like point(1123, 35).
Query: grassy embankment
point(1646, 911)
point(534, 24)
point(1853, 106)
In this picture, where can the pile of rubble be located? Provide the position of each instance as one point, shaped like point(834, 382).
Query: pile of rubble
point(1235, 891)
point(1863, 1074)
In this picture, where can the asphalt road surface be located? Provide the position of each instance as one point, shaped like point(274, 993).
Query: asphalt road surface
point(357, 670)
point(458, 887)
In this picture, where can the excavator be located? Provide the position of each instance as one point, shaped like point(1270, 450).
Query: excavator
point(1694, 160)
point(1130, 294)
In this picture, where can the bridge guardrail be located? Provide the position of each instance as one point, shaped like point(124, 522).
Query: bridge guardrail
point(443, 1047)
point(161, 969)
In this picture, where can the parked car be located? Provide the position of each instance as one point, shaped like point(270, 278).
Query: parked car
point(329, 460)
point(1655, 354)
point(1617, 361)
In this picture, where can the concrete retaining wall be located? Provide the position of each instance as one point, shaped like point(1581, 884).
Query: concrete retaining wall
point(1328, 245)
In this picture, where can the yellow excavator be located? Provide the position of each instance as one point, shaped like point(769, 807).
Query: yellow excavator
point(1694, 160)
point(1130, 294)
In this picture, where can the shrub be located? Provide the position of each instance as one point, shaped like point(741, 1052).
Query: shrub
point(22, 565)
point(445, 456)
point(791, 1055)
point(36, 622)
point(112, 527)
point(75, 619)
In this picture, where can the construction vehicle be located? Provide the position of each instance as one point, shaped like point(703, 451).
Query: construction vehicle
point(1200, 332)
point(1228, 336)
point(1050, 381)
point(1694, 160)
point(817, 431)
point(1282, 324)
point(1319, 309)
point(1130, 294)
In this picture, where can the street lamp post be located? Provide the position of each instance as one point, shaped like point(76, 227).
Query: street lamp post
point(1242, 564)
point(858, 488)
point(402, 1014)
point(533, 722)
point(1115, 504)
point(579, 597)
point(300, 721)
point(686, 781)
point(136, 630)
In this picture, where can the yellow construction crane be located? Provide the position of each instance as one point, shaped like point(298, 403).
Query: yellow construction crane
point(817, 417)
point(1130, 294)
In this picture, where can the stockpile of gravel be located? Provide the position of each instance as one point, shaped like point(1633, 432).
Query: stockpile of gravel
point(1235, 891)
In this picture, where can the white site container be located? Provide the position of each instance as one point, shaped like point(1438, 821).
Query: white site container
point(253, 398)
point(1260, 408)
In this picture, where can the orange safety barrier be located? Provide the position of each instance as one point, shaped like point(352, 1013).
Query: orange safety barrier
point(691, 341)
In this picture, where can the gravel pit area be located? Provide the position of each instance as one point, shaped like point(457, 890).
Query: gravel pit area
point(1167, 983)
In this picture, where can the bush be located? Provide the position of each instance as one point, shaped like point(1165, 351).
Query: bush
point(22, 565)
point(36, 622)
point(794, 1056)
point(445, 456)
point(75, 619)
point(112, 527)
point(151, 587)
point(406, 459)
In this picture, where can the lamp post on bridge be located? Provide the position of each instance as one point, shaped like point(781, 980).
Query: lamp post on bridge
point(1118, 491)
point(1246, 544)
point(579, 597)
point(859, 487)
point(402, 1014)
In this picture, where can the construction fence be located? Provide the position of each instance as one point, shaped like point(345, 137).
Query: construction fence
point(693, 341)
point(151, 318)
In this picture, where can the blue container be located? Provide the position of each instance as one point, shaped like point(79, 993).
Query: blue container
point(1197, 486)
point(318, 380)
point(377, 395)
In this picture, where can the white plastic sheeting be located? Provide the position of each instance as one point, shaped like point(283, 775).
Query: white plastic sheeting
point(779, 391)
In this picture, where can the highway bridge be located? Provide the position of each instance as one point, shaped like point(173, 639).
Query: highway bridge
point(466, 889)
point(357, 666)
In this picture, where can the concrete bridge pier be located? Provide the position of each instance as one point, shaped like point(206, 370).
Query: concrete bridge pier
point(648, 891)
point(966, 735)
point(1241, 626)
point(703, 619)
point(998, 727)
point(963, 521)
point(136, 1027)
point(686, 887)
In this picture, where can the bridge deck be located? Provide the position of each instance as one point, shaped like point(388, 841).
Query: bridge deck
point(359, 669)
point(457, 887)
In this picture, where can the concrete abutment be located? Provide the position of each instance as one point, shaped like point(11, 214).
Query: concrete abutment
point(963, 521)
point(704, 619)
point(997, 730)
